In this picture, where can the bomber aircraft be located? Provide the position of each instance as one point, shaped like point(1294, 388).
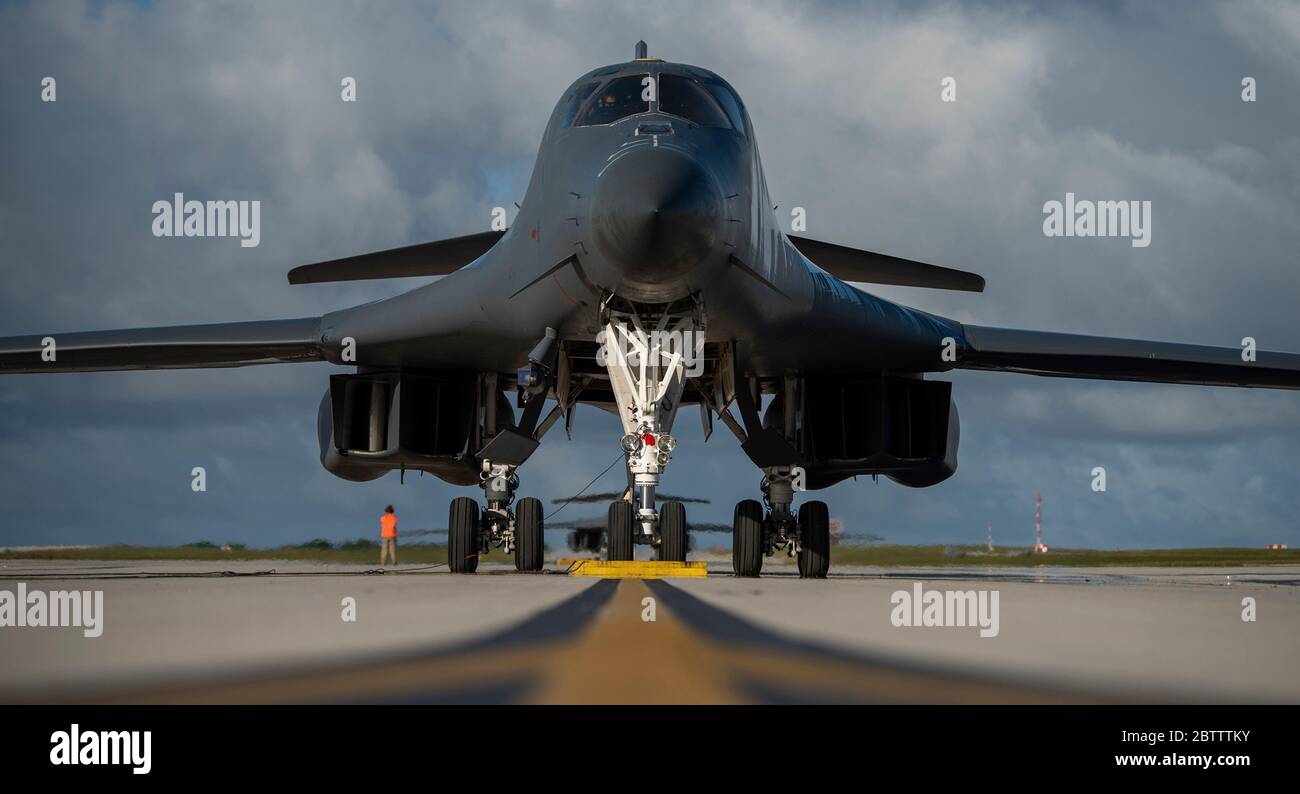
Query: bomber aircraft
point(645, 270)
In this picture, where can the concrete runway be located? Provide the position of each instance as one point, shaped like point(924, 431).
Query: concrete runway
point(197, 632)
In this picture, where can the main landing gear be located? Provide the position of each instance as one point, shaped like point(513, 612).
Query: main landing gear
point(518, 531)
point(757, 533)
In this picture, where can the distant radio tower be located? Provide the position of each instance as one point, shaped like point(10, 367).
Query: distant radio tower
point(1039, 546)
point(990, 536)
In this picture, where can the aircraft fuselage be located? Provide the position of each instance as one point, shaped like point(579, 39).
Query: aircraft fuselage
point(652, 208)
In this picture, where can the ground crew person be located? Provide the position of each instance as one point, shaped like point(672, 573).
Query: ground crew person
point(388, 536)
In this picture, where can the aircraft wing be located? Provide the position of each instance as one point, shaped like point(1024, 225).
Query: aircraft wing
point(1079, 356)
point(852, 264)
point(174, 347)
point(424, 259)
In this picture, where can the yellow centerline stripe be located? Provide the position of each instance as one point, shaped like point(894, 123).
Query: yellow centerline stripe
point(622, 658)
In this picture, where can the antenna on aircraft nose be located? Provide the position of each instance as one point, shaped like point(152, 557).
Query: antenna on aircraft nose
point(641, 51)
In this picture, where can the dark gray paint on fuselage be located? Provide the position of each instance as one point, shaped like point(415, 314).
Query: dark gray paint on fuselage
point(488, 314)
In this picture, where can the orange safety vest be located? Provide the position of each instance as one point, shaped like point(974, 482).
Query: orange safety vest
point(388, 525)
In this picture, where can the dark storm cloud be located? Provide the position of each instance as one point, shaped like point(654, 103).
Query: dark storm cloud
point(235, 100)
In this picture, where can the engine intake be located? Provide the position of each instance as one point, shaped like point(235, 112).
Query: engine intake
point(372, 423)
point(904, 428)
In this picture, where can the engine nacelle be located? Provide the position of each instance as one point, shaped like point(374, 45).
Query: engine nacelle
point(369, 424)
point(904, 428)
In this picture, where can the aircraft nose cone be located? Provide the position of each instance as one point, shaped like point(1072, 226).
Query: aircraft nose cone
point(656, 214)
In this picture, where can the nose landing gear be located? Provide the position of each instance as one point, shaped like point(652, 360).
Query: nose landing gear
point(648, 358)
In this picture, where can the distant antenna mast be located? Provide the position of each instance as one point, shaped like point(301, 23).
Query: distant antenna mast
point(990, 536)
point(641, 51)
point(1039, 546)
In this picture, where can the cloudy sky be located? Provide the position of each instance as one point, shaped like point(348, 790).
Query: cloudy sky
point(241, 100)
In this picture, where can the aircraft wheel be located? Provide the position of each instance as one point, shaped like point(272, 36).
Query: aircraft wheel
point(672, 531)
point(814, 541)
point(530, 542)
point(463, 535)
point(620, 531)
point(747, 539)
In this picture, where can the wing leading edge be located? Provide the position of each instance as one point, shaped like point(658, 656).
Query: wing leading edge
point(1106, 358)
point(174, 347)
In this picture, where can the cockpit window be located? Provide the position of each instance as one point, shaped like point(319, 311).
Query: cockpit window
point(730, 103)
point(615, 100)
point(682, 96)
point(574, 102)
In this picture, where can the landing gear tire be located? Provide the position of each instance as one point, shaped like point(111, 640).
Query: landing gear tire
point(529, 537)
point(463, 535)
point(747, 539)
point(814, 541)
point(619, 528)
point(672, 532)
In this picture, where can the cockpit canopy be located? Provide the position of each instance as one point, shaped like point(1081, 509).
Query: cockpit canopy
point(617, 99)
point(700, 101)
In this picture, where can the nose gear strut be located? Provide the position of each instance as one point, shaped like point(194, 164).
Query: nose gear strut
point(649, 356)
